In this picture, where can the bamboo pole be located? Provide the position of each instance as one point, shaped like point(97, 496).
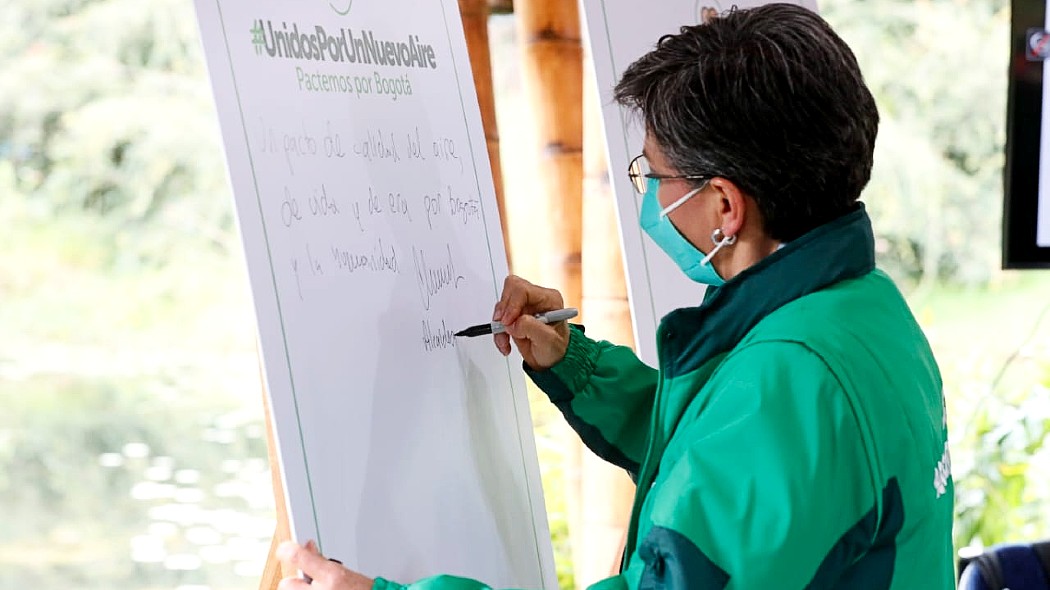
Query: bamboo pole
point(475, 15)
point(553, 81)
point(549, 37)
point(608, 490)
point(501, 6)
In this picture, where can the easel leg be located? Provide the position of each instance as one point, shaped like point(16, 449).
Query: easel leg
point(272, 572)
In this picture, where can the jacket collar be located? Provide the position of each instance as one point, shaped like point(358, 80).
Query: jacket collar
point(836, 251)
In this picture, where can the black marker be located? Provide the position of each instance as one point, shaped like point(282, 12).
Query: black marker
point(551, 317)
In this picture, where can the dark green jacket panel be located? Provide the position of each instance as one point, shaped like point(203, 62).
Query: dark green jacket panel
point(869, 339)
point(770, 430)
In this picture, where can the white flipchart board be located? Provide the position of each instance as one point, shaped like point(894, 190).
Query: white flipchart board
point(619, 32)
point(369, 222)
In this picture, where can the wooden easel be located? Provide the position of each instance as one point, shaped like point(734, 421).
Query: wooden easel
point(273, 572)
point(475, 14)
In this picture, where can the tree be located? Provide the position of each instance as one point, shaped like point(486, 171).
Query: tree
point(104, 109)
point(938, 72)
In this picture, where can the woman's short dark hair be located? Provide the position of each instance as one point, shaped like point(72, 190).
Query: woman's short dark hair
point(770, 98)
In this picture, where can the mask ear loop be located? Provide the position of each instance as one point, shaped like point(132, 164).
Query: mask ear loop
point(719, 244)
point(667, 210)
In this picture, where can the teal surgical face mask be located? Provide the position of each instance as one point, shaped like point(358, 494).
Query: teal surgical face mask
point(657, 224)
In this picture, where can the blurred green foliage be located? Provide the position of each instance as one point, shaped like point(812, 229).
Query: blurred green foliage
point(111, 483)
point(106, 116)
point(131, 448)
point(993, 347)
point(997, 501)
point(938, 72)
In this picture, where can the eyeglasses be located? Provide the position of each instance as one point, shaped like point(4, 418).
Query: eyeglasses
point(639, 173)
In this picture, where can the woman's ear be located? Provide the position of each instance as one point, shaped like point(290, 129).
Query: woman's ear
point(732, 205)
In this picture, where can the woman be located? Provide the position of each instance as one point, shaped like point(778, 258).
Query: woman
point(793, 434)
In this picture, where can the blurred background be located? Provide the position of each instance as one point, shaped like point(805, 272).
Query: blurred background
point(132, 446)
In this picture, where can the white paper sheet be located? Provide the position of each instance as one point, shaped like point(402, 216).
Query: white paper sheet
point(365, 203)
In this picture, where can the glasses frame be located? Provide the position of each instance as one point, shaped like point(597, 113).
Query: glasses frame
point(640, 186)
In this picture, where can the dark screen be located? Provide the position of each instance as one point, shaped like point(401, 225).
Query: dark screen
point(1023, 140)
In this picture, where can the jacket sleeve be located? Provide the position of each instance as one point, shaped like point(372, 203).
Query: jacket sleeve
point(606, 394)
point(434, 583)
point(772, 488)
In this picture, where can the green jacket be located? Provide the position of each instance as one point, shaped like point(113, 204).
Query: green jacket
point(794, 435)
